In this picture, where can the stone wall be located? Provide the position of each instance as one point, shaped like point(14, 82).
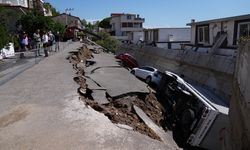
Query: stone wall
point(240, 103)
point(212, 71)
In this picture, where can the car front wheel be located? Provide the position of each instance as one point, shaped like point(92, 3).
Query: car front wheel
point(133, 72)
point(148, 80)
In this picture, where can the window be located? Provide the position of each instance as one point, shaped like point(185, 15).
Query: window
point(244, 29)
point(130, 24)
point(128, 17)
point(124, 24)
point(203, 35)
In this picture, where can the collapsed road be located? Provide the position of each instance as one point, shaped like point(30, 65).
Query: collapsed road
point(40, 109)
point(109, 88)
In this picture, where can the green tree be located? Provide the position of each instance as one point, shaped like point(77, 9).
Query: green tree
point(108, 42)
point(84, 22)
point(33, 21)
point(89, 26)
point(48, 6)
point(105, 23)
point(4, 37)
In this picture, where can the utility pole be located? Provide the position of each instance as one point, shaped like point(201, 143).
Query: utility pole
point(67, 11)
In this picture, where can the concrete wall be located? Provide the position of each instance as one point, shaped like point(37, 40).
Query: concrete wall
point(240, 102)
point(213, 71)
point(174, 34)
point(193, 32)
point(116, 21)
point(230, 32)
point(138, 36)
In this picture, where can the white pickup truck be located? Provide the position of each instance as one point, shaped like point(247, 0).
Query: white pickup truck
point(197, 117)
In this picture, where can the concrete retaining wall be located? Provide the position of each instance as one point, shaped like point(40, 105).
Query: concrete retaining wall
point(213, 71)
point(240, 103)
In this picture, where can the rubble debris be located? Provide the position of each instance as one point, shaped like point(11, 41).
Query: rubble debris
point(166, 138)
point(121, 111)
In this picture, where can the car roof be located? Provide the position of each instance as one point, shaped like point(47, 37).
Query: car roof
point(150, 67)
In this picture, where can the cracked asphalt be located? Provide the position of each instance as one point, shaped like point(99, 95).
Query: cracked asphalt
point(40, 109)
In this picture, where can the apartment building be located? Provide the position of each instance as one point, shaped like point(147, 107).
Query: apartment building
point(24, 3)
point(124, 25)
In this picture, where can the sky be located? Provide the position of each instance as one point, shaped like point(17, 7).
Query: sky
point(157, 13)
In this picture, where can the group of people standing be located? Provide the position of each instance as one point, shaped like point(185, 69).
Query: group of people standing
point(41, 40)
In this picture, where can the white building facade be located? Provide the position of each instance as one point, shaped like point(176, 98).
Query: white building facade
point(124, 25)
point(170, 38)
point(207, 33)
point(23, 3)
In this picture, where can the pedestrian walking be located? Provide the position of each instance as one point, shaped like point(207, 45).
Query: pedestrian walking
point(45, 39)
point(57, 40)
point(51, 40)
point(38, 43)
point(24, 44)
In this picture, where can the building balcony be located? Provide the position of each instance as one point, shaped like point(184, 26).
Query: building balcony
point(131, 29)
point(140, 19)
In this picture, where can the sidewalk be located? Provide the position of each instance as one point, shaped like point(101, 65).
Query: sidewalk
point(11, 67)
point(40, 109)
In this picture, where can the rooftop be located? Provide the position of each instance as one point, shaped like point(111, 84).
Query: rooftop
point(241, 17)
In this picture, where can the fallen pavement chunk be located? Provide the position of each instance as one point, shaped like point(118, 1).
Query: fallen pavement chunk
point(166, 138)
point(93, 85)
point(123, 126)
point(100, 96)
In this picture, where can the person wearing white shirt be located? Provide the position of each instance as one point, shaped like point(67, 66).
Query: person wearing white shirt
point(45, 39)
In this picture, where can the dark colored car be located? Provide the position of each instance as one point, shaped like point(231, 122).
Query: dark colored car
point(127, 60)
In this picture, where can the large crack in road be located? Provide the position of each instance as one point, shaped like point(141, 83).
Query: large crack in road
point(121, 108)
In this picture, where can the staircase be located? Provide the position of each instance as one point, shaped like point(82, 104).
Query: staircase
point(219, 42)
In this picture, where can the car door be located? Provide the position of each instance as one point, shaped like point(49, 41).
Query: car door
point(139, 72)
point(146, 72)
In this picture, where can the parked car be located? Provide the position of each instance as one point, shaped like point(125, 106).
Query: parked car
point(197, 117)
point(127, 60)
point(147, 73)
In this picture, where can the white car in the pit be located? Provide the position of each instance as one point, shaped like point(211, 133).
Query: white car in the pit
point(147, 73)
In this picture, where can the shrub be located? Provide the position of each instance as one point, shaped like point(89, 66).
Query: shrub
point(108, 42)
point(4, 37)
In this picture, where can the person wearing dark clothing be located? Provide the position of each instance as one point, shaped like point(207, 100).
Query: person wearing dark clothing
point(57, 40)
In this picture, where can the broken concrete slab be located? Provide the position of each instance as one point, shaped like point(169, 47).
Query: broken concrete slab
point(166, 138)
point(106, 73)
point(100, 96)
point(102, 60)
point(118, 81)
point(93, 85)
point(123, 126)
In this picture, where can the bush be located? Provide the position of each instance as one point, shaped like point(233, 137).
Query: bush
point(4, 37)
point(108, 42)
